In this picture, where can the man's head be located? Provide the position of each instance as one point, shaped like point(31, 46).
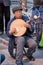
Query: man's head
point(17, 11)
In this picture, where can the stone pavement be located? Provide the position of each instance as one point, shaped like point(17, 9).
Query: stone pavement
point(10, 61)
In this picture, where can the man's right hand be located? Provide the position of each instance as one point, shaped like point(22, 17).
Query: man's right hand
point(12, 31)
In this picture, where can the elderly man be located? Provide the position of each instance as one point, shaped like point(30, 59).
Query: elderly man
point(20, 40)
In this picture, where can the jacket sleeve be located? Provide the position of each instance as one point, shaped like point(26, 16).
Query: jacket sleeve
point(31, 23)
point(8, 28)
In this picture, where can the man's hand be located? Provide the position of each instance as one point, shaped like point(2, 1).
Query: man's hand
point(28, 26)
point(12, 31)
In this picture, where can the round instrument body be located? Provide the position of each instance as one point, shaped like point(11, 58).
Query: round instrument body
point(18, 24)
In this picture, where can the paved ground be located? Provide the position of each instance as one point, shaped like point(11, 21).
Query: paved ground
point(10, 61)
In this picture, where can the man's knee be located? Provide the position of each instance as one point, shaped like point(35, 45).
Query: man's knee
point(32, 43)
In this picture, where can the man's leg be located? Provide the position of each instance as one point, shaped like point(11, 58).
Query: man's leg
point(7, 16)
point(11, 46)
point(32, 47)
point(1, 18)
point(20, 45)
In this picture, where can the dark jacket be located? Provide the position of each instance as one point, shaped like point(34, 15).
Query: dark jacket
point(25, 18)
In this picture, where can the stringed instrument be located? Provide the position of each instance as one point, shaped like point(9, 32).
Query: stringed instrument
point(18, 24)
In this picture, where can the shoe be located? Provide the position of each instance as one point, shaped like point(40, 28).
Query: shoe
point(31, 58)
point(29, 55)
point(19, 63)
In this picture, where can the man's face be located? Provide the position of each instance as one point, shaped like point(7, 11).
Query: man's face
point(18, 13)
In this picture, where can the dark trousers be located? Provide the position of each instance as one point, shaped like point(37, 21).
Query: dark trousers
point(4, 10)
point(20, 42)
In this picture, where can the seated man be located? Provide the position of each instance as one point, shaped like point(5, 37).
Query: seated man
point(20, 41)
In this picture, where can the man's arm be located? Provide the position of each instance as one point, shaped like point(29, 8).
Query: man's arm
point(27, 25)
point(8, 28)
